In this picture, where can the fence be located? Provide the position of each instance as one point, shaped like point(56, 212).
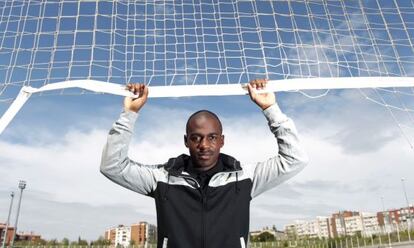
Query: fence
point(395, 239)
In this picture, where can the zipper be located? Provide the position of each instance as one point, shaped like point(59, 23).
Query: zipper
point(203, 224)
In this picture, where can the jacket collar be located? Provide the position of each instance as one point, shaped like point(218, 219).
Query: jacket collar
point(176, 166)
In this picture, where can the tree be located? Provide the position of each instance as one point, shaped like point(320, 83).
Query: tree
point(102, 241)
point(53, 242)
point(82, 241)
point(264, 237)
point(65, 241)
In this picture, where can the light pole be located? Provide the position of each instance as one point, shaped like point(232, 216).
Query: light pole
point(409, 210)
point(8, 220)
point(22, 186)
point(389, 220)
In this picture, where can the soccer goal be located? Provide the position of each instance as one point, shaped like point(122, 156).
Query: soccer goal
point(207, 48)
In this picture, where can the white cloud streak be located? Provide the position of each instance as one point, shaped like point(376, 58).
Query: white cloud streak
point(64, 182)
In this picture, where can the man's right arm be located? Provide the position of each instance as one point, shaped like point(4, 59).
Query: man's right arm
point(116, 165)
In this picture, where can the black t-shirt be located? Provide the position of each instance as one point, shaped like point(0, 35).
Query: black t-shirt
point(203, 177)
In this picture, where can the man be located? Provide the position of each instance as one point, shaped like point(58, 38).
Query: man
point(203, 200)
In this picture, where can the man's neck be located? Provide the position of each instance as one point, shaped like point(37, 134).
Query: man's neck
point(204, 168)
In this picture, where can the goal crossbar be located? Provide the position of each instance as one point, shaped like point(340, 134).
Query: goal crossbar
point(295, 84)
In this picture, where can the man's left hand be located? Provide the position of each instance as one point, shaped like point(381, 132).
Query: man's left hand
point(263, 100)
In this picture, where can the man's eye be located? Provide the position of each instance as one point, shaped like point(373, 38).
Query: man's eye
point(195, 138)
point(213, 138)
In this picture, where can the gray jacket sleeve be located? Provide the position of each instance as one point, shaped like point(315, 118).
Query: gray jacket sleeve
point(289, 160)
point(116, 165)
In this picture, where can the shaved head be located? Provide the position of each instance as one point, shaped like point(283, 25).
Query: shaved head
point(204, 114)
point(204, 139)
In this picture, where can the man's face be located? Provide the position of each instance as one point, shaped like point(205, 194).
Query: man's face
point(204, 140)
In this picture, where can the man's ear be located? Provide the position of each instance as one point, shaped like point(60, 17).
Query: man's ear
point(185, 141)
point(222, 141)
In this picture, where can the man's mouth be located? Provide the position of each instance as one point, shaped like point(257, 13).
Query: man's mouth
point(204, 155)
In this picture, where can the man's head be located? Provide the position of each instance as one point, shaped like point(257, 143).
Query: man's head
point(204, 138)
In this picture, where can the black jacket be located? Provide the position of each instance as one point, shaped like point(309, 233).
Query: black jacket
point(192, 217)
point(187, 216)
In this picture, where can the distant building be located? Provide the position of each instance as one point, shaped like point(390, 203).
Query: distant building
point(370, 224)
point(306, 229)
point(353, 225)
point(394, 219)
point(291, 232)
point(323, 227)
point(338, 224)
point(9, 234)
point(143, 232)
point(123, 235)
point(139, 233)
point(28, 237)
point(20, 236)
point(120, 235)
point(318, 228)
point(350, 223)
point(110, 235)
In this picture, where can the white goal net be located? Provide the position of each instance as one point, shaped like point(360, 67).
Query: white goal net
point(187, 47)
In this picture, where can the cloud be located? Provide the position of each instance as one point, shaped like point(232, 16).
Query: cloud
point(64, 182)
point(346, 119)
point(54, 219)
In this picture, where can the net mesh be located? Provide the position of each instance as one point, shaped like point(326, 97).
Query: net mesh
point(211, 42)
point(187, 42)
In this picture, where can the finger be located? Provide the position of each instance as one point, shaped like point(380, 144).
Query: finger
point(128, 86)
point(251, 90)
point(259, 83)
point(145, 91)
point(262, 85)
point(253, 83)
point(141, 89)
point(136, 89)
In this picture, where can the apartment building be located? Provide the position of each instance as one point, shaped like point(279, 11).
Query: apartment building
point(339, 224)
point(139, 233)
point(123, 235)
point(345, 223)
point(28, 236)
point(3, 234)
point(370, 224)
point(323, 227)
point(110, 234)
point(318, 228)
point(143, 232)
point(396, 219)
point(20, 236)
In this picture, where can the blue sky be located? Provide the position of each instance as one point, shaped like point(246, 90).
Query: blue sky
point(357, 150)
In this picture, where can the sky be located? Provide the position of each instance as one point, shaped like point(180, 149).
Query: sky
point(354, 160)
point(359, 141)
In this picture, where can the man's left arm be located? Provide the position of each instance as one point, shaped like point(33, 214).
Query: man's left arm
point(290, 158)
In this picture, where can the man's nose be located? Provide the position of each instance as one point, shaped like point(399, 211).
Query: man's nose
point(203, 143)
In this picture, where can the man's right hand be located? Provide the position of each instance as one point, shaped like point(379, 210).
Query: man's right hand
point(135, 104)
